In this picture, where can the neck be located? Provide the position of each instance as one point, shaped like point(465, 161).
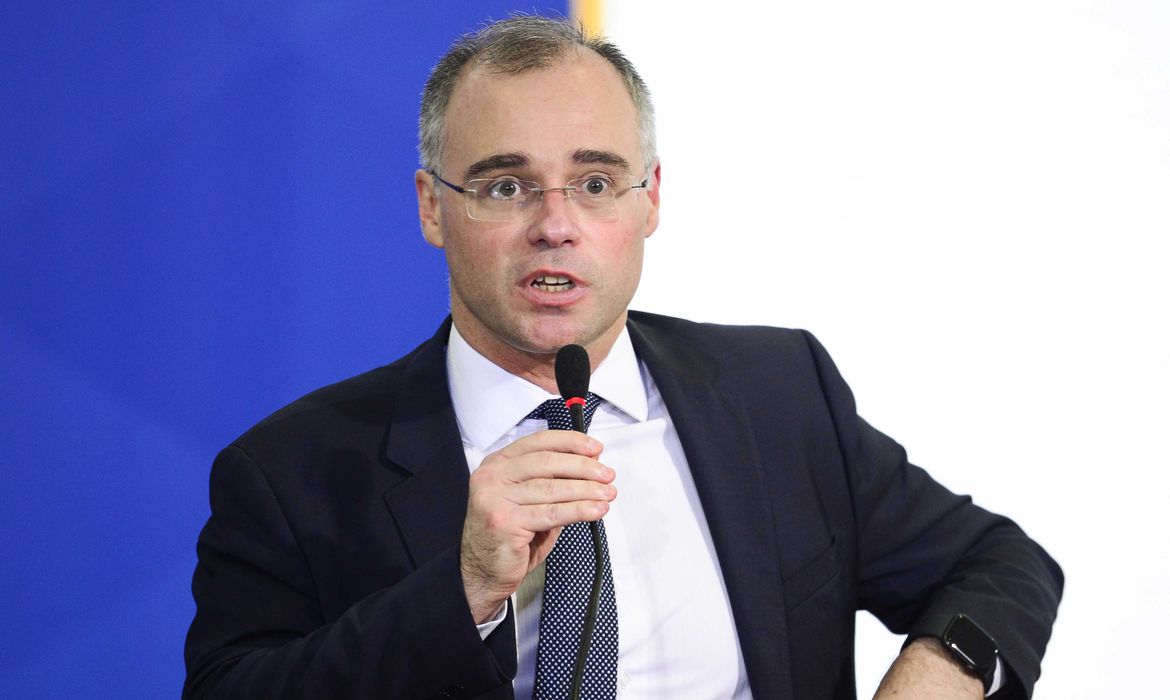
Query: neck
point(535, 366)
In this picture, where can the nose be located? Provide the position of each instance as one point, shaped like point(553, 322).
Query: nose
point(554, 223)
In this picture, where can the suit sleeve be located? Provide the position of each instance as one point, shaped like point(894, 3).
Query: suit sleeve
point(259, 630)
point(926, 554)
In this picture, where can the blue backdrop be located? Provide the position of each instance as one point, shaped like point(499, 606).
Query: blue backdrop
point(206, 210)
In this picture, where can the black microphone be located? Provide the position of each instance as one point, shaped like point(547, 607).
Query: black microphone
point(572, 370)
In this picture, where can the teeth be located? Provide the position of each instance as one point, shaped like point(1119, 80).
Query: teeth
point(552, 283)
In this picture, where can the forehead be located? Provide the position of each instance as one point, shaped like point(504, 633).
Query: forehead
point(578, 103)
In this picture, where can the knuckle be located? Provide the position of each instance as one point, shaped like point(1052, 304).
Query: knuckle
point(479, 501)
point(481, 476)
point(546, 461)
point(496, 520)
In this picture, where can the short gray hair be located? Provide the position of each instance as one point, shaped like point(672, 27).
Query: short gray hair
point(515, 45)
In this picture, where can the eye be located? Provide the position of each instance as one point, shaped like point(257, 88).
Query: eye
point(505, 189)
point(596, 185)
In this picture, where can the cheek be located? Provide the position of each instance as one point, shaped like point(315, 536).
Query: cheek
point(474, 261)
point(631, 257)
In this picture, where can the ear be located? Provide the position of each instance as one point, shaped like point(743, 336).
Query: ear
point(430, 215)
point(652, 196)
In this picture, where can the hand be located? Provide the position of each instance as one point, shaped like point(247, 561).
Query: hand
point(926, 670)
point(519, 499)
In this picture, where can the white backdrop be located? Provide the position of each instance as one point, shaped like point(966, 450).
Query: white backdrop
point(969, 204)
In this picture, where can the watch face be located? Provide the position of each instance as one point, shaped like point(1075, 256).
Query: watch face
point(970, 641)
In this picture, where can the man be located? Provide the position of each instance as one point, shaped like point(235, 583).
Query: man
point(747, 510)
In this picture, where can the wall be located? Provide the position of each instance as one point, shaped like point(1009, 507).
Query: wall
point(207, 210)
point(967, 203)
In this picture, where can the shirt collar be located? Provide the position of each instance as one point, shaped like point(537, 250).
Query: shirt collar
point(488, 401)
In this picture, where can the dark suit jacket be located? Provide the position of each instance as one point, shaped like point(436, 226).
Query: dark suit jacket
point(330, 564)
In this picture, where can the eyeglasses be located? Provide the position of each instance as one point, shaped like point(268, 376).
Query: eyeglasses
point(594, 197)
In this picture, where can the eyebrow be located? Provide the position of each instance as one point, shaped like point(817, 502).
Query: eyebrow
point(499, 161)
point(589, 156)
point(511, 161)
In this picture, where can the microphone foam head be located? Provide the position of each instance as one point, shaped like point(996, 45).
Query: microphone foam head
point(572, 371)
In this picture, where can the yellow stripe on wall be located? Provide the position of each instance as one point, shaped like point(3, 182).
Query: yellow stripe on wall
point(590, 13)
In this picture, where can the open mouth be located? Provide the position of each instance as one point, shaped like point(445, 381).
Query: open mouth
point(552, 283)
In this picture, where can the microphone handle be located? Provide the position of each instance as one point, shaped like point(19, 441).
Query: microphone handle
point(577, 415)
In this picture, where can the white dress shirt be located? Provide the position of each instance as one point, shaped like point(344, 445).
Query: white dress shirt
point(676, 633)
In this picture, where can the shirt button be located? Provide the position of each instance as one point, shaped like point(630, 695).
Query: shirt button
point(623, 680)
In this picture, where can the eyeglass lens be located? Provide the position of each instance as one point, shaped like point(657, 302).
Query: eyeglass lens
point(507, 199)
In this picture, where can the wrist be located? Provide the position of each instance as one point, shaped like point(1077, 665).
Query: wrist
point(483, 603)
point(925, 670)
point(934, 648)
point(483, 600)
point(970, 646)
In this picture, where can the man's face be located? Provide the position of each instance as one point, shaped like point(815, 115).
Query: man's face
point(548, 126)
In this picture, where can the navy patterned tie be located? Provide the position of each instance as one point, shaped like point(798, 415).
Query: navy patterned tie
point(568, 576)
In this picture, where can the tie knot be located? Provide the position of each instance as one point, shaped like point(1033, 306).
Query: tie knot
point(557, 414)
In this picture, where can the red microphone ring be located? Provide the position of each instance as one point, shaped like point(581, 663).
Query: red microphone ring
point(575, 400)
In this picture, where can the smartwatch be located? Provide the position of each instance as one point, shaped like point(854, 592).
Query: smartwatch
point(973, 647)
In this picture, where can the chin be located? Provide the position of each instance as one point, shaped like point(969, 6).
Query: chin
point(549, 338)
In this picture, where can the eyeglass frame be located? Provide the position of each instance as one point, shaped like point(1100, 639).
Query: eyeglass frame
point(566, 189)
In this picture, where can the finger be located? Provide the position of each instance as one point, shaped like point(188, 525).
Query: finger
point(568, 441)
point(556, 465)
point(539, 518)
point(538, 491)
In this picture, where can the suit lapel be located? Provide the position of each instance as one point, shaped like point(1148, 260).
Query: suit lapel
point(423, 444)
point(725, 463)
